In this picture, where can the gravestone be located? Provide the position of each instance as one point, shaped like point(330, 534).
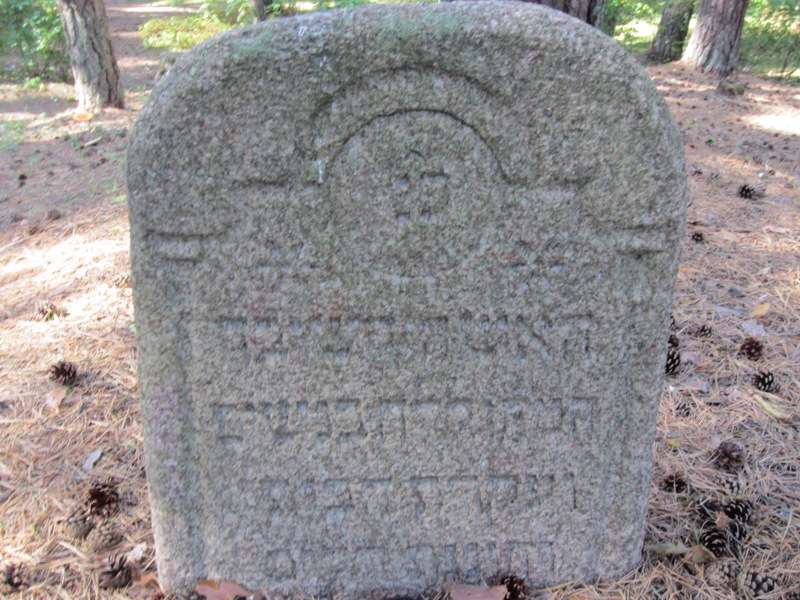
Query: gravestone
point(402, 278)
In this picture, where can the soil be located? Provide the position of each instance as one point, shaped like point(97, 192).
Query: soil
point(65, 294)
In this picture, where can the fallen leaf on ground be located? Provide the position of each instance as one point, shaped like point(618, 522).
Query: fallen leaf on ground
point(91, 459)
point(146, 579)
point(754, 329)
point(722, 521)
point(54, 399)
point(477, 592)
point(225, 590)
point(667, 549)
point(702, 555)
point(760, 310)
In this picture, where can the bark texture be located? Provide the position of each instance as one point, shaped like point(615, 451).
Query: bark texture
point(607, 23)
point(588, 11)
point(261, 8)
point(714, 45)
point(672, 30)
point(97, 79)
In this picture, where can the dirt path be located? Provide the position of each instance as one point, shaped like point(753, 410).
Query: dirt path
point(138, 65)
point(58, 164)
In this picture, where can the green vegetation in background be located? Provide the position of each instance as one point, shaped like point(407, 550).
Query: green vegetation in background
point(32, 39)
point(182, 33)
point(771, 39)
point(620, 13)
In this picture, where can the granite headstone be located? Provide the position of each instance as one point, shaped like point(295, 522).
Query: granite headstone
point(402, 279)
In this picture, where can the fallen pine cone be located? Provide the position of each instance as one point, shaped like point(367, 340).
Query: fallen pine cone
point(722, 574)
point(765, 381)
point(117, 572)
point(13, 578)
point(756, 584)
point(79, 523)
point(104, 536)
point(64, 372)
point(752, 348)
point(517, 589)
point(673, 361)
point(103, 499)
point(674, 483)
point(729, 456)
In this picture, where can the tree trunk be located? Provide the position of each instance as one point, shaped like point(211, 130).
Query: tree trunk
point(588, 11)
point(261, 8)
point(607, 24)
point(672, 30)
point(714, 45)
point(97, 80)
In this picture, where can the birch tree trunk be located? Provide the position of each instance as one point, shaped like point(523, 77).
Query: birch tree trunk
point(97, 80)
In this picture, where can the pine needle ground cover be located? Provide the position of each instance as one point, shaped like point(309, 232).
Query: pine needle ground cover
point(725, 495)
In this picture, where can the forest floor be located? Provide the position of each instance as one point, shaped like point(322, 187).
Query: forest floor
point(65, 294)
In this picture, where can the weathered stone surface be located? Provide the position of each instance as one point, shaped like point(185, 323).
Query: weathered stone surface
point(402, 278)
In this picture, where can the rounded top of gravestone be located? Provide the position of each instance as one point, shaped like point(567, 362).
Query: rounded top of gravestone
point(533, 95)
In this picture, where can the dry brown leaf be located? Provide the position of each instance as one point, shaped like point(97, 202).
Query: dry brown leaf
point(702, 555)
point(477, 592)
point(760, 310)
point(54, 399)
point(668, 549)
point(224, 590)
point(145, 578)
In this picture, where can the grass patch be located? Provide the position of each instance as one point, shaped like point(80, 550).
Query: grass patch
point(11, 134)
point(178, 34)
